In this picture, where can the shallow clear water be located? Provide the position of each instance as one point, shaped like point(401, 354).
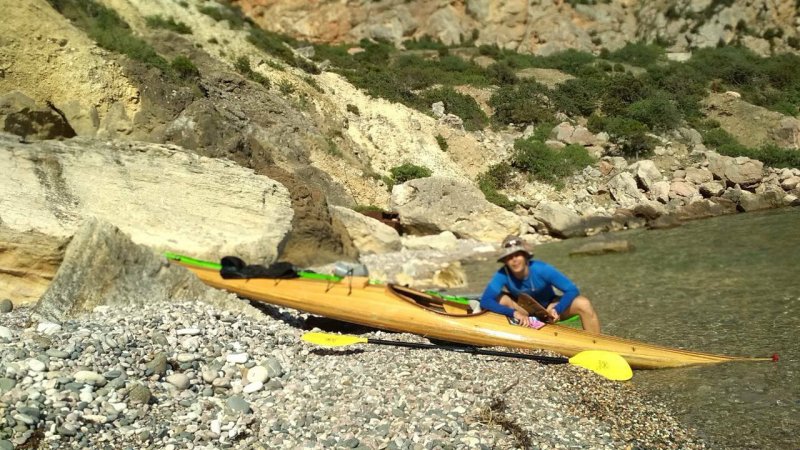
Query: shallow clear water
point(725, 285)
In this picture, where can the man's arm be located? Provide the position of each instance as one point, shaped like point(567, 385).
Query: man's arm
point(491, 294)
point(564, 284)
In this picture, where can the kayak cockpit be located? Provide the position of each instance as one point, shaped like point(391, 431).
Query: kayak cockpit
point(435, 303)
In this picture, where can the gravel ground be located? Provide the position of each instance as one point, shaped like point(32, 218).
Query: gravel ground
point(187, 375)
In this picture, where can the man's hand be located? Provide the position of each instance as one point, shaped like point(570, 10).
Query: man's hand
point(522, 318)
point(551, 309)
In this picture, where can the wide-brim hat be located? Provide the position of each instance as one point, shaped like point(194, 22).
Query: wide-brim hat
point(511, 245)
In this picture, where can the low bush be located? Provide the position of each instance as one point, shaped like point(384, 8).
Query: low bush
point(167, 24)
point(406, 172)
point(545, 164)
point(578, 96)
point(630, 135)
point(104, 26)
point(493, 179)
point(230, 13)
point(442, 142)
point(242, 65)
point(459, 104)
point(658, 112)
point(638, 54)
point(523, 103)
point(184, 67)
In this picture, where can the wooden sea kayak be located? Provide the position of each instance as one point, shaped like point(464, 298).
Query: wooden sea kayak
point(396, 308)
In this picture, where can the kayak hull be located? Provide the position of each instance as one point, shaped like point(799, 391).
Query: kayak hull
point(395, 308)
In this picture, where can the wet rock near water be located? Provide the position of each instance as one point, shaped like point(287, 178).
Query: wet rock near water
point(188, 375)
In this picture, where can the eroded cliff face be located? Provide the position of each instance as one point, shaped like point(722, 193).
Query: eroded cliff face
point(534, 26)
point(317, 135)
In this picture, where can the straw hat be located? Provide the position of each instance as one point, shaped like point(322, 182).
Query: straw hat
point(513, 244)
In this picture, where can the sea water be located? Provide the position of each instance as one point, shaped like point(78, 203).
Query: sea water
point(726, 285)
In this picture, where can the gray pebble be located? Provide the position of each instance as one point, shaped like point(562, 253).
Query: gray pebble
point(238, 404)
point(6, 306)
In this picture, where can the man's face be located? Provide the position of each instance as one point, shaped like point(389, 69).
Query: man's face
point(516, 261)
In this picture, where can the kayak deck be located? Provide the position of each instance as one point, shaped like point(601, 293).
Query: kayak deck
point(402, 309)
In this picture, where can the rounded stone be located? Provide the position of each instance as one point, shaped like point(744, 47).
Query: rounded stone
point(258, 374)
point(179, 380)
point(6, 306)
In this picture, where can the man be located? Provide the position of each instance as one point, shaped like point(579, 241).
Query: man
point(522, 274)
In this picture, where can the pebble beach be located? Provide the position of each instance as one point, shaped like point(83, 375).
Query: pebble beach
point(192, 376)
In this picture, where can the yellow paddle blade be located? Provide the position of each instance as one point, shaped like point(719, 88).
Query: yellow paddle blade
point(333, 340)
point(608, 364)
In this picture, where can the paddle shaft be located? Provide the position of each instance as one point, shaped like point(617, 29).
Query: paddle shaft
point(473, 350)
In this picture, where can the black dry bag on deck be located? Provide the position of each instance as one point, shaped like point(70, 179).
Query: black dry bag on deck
point(233, 267)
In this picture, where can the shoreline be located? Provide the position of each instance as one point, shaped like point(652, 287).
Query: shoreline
point(189, 375)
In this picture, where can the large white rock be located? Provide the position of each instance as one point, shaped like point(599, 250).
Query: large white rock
point(435, 204)
point(368, 235)
point(161, 196)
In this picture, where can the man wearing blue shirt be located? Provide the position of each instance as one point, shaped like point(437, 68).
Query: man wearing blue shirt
point(522, 274)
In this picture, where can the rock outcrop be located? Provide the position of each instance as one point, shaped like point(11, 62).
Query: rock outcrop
point(28, 262)
point(102, 266)
point(434, 204)
point(541, 27)
point(162, 196)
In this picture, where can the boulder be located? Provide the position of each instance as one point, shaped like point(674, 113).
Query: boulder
point(559, 220)
point(754, 202)
point(162, 196)
point(573, 134)
point(624, 190)
point(367, 234)
point(102, 266)
point(740, 170)
point(646, 172)
point(435, 204)
point(704, 208)
point(602, 247)
point(443, 241)
point(698, 175)
point(28, 262)
point(20, 115)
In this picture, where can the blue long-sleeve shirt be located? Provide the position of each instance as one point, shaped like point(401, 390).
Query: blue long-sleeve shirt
point(539, 283)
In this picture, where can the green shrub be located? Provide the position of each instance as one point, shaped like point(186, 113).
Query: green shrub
point(353, 109)
point(497, 175)
point(596, 123)
point(462, 105)
point(502, 73)
point(286, 87)
point(367, 208)
point(523, 103)
point(638, 54)
point(570, 61)
point(630, 135)
point(717, 137)
point(578, 96)
point(493, 179)
point(658, 112)
point(492, 51)
point(442, 142)
point(272, 44)
point(774, 156)
point(542, 131)
point(242, 65)
point(621, 91)
point(406, 172)
point(545, 164)
point(167, 24)
point(232, 14)
point(184, 67)
point(105, 27)
point(425, 42)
